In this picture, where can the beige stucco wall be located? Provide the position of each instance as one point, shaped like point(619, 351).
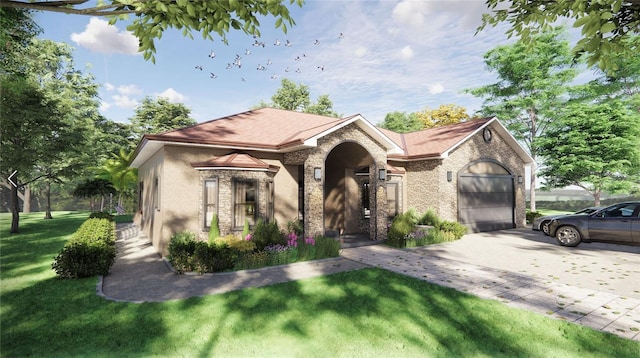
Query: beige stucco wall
point(181, 191)
point(426, 181)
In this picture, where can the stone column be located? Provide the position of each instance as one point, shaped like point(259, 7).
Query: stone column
point(314, 200)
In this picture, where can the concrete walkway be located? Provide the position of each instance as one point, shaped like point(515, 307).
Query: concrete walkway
point(140, 275)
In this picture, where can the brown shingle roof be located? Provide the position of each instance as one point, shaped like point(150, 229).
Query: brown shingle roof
point(434, 142)
point(235, 160)
point(266, 128)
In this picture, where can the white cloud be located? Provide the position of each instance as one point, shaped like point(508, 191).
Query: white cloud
point(435, 89)
point(172, 95)
point(99, 36)
point(109, 87)
point(104, 106)
point(406, 52)
point(361, 51)
point(129, 90)
point(124, 101)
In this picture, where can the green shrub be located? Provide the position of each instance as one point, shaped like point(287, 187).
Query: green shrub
point(236, 243)
point(265, 234)
point(532, 215)
point(436, 236)
point(401, 226)
point(458, 230)
point(295, 226)
point(182, 247)
point(246, 228)
point(90, 251)
point(213, 258)
point(429, 218)
point(101, 215)
point(214, 231)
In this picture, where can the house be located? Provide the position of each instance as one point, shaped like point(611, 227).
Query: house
point(336, 174)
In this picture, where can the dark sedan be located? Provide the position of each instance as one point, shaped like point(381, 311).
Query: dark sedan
point(618, 223)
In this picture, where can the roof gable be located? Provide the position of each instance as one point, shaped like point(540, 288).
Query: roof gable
point(237, 161)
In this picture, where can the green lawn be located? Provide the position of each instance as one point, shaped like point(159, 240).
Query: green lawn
point(370, 312)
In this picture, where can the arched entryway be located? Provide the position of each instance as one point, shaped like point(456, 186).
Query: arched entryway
point(486, 196)
point(346, 189)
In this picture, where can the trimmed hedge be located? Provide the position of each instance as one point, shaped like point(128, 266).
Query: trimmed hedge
point(91, 250)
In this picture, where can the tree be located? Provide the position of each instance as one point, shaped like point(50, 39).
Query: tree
point(605, 24)
point(532, 86)
point(401, 122)
point(444, 115)
point(593, 146)
point(153, 17)
point(28, 119)
point(294, 97)
point(93, 189)
point(159, 115)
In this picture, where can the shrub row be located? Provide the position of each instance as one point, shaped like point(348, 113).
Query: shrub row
point(90, 251)
point(403, 231)
point(265, 246)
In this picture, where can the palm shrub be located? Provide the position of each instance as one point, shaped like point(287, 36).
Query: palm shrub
point(90, 251)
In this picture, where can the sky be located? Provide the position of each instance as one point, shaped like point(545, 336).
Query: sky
point(370, 57)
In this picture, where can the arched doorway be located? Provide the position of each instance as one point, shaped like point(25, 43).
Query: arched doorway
point(345, 189)
point(486, 196)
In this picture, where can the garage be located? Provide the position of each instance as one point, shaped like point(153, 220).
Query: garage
point(486, 197)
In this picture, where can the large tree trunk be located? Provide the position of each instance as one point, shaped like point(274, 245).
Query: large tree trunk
point(47, 188)
point(15, 208)
point(26, 205)
point(596, 197)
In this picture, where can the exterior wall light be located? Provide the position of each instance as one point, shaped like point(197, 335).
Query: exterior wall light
point(317, 173)
point(519, 179)
point(382, 174)
point(449, 176)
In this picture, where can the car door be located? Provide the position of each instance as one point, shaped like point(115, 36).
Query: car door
point(613, 223)
point(635, 226)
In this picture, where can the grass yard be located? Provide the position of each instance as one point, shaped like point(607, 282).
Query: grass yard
point(364, 313)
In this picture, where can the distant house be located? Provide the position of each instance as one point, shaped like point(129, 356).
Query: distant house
point(335, 174)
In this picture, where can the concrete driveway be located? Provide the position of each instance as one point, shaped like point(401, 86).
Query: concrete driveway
point(597, 266)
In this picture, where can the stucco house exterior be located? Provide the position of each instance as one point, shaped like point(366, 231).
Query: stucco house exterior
point(337, 175)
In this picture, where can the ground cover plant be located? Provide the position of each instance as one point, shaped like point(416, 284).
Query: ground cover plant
point(370, 312)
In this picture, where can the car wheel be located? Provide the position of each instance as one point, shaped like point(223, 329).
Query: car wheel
point(568, 236)
point(545, 227)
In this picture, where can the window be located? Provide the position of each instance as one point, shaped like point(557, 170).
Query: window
point(140, 195)
point(365, 200)
point(270, 199)
point(210, 200)
point(156, 193)
point(244, 202)
point(392, 198)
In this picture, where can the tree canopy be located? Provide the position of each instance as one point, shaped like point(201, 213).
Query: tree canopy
point(531, 87)
point(297, 97)
point(593, 146)
point(152, 17)
point(606, 25)
point(401, 122)
point(159, 115)
point(444, 115)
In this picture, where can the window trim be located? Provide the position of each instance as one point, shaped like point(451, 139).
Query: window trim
point(205, 201)
point(234, 203)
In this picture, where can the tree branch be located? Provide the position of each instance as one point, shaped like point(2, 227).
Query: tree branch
point(62, 7)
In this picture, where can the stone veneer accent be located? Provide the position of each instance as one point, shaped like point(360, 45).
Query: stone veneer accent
point(427, 184)
point(314, 189)
point(225, 179)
